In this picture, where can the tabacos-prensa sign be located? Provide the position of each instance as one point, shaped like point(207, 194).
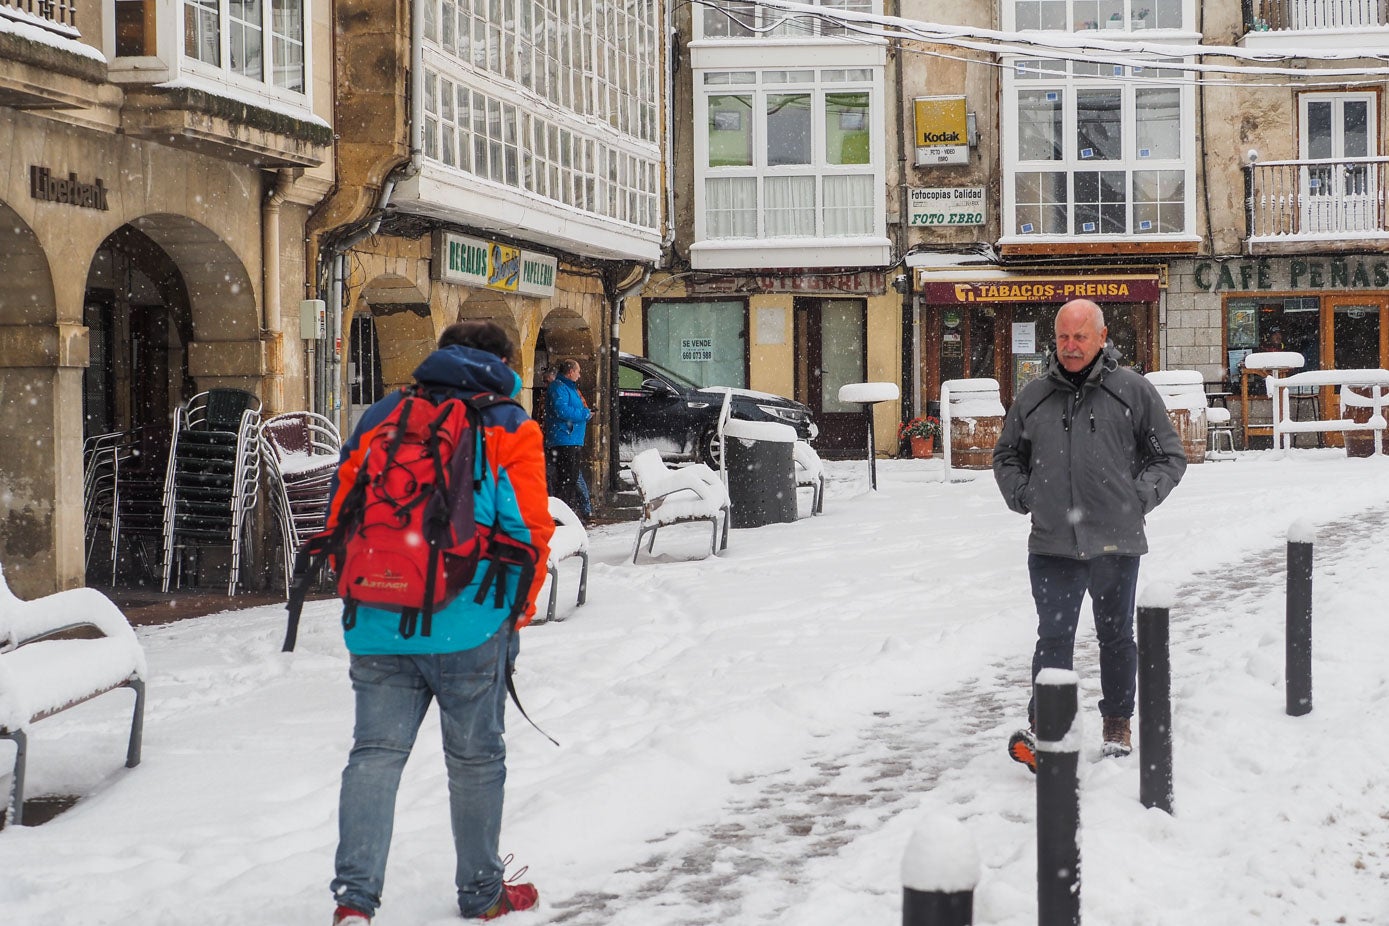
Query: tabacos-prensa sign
point(1096, 289)
point(470, 261)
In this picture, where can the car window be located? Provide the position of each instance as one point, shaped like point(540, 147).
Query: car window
point(673, 376)
point(629, 377)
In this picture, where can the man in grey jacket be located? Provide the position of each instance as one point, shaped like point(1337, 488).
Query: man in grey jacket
point(1087, 451)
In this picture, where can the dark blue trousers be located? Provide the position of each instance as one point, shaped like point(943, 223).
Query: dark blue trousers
point(1058, 586)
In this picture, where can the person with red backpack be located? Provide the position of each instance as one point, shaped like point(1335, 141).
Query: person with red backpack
point(459, 646)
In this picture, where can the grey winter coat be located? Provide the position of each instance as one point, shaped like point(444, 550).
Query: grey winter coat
point(1087, 465)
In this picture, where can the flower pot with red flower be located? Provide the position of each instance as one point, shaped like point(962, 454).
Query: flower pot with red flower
point(920, 433)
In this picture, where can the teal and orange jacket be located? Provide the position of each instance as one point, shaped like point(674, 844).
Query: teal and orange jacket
point(512, 496)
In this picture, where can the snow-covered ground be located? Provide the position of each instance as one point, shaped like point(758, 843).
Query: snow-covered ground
point(752, 739)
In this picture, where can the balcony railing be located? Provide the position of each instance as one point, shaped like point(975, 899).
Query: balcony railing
point(1286, 15)
point(61, 14)
point(1341, 198)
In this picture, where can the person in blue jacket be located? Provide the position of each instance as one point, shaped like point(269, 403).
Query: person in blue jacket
point(566, 427)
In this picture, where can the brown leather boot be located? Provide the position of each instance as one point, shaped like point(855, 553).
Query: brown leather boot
point(1117, 741)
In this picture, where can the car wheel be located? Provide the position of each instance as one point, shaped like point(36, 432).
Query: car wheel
point(709, 448)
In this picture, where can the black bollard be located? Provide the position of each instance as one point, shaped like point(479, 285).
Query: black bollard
point(872, 447)
point(1299, 621)
point(1154, 709)
point(937, 908)
point(1058, 799)
point(940, 870)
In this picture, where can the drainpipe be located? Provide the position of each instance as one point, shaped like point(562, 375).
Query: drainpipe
point(672, 40)
point(614, 348)
point(270, 323)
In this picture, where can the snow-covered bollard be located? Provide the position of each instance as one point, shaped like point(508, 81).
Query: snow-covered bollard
point(940, 870)
point(1058, 798)
point(1301, 536)
point(1155, 698)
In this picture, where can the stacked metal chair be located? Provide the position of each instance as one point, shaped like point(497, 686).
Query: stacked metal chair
point(101, 458)
point(213, 477)
point(301, 451)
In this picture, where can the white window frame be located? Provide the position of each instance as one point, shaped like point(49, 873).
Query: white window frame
point(223, 74)
point(769, 24)
point(1130, 21)
point(819, 167)
point(1070, 163)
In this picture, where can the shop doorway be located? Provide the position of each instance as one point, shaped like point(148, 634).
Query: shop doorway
point(138, 315)
point(832, 350)
point(364, 382)
point(1357, 333)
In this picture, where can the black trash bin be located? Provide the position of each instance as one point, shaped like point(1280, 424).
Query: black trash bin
point(761, 472)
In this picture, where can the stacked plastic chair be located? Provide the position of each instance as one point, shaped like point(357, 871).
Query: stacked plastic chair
point(213, 476)
point(301, 451)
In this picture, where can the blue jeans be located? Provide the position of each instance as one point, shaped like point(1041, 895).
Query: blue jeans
point(393, 693)
point(1058, 585)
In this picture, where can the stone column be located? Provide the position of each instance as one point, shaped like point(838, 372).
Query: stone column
point(41, 524)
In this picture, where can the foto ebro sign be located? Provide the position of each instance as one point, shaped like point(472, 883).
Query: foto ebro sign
point(493, 265)
point(946, 205)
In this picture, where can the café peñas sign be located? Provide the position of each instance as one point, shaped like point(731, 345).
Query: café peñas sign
point(1292, 274)
point(492, 265)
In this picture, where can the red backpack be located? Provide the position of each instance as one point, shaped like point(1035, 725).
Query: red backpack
point(401, 533)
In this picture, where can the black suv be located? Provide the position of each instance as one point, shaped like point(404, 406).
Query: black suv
point(662, 409)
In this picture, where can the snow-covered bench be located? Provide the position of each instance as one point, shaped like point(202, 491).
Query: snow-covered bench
point(810, 473)
point(569, 539)
point(676, 496)
point(45, 669)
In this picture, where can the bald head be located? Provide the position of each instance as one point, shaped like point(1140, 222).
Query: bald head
point(1080, 334)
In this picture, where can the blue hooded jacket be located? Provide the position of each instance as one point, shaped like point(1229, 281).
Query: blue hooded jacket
point(566, 415)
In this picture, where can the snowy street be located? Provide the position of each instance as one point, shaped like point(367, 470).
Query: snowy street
point(750, 739)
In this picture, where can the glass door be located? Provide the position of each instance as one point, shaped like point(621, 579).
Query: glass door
point(1339, 194)
point(832, 336)
point(1357, 333)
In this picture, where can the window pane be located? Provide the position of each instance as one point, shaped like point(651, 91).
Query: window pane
point(848, 205)
point(1355, 125)
point(1318, 129)
point(1039, 125)
point(1100, 198)
point(1159, 201)
point(790, 207)
point(1099, 125)
point(730, 131)
point(1158, 114)
point(788, 129)
point(287, 24)
point(1167, 14)
point(1041, 203)
point(724, 324)
point(245, 35)
point(846, 128)
point(1099, 14)
point(202, 39)
point(730, 209)
point(1041, 14)
point(729, 18)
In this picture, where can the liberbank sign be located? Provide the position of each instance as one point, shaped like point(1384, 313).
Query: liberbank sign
point(492, 265)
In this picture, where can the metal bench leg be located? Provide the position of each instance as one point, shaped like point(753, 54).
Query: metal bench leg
point(583, 577)
point(17, 795)
point(714, 535)
point(726, 512)
point(641, 532)
point(137, 724)
point(553, 570)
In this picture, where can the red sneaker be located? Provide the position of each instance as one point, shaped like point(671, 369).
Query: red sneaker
point(514, 897)
point(346, 916)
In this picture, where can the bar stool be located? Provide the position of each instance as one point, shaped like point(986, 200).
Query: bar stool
point(1219, 427)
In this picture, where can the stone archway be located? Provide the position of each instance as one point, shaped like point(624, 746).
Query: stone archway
point(40, 381)
point(227, 348)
